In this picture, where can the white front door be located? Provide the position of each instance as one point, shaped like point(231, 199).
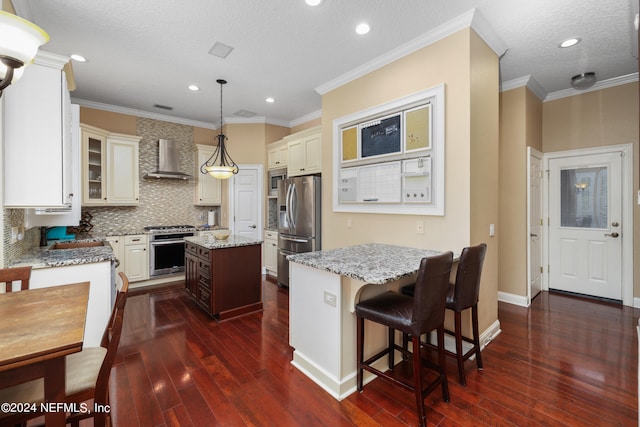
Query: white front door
point(585, 237)
point(247, 202)
point(534, 224)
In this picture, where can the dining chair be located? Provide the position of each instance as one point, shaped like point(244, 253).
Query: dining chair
point(87, 374)
point(462, 295)
point(16, 274)
point(414, 316)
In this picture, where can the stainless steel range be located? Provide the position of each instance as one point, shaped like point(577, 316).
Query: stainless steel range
point(166, 248)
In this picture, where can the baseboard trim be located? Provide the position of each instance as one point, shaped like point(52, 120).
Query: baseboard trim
point(513, 299)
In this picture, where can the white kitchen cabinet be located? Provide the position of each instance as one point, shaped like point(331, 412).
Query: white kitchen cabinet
point(110, 168)
point(122, 170)
point(67, 216)
point(136, 257)
point(37, 139)
point(208, 189)
point(277, 155)
point(117, 244)
point(94, 143)
point(270, 251)
point(305, 153)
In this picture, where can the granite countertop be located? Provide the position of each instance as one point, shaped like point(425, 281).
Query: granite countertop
point(45, 257)
point(210, 242)
point(374, 263)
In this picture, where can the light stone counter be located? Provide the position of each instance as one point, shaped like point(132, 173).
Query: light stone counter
point(211, 242)
point(44, 257)
point(373, 263)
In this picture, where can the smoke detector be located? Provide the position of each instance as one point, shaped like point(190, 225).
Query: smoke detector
point(583, 81)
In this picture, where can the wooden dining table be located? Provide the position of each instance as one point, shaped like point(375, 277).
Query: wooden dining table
point(38, 329)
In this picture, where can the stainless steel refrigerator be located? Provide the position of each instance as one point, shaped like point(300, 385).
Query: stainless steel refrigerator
point(298, 220)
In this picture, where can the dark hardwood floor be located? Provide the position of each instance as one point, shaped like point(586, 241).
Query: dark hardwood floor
point(565, 361)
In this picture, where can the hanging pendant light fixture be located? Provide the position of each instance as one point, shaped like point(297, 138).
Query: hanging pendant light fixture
point(19, 43)
point(220, 165)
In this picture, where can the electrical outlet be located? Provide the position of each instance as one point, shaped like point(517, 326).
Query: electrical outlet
point(419, 227)
point(14, 234)
point(492, 230)
point(329, 299)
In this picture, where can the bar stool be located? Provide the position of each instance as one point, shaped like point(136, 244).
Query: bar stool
point(462, 295)
point(415, 316)
point(16, 274)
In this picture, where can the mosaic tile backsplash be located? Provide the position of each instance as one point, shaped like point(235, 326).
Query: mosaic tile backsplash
point(162, 201)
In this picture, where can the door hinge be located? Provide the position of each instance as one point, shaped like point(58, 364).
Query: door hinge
point(541, 269)
point(541, 221)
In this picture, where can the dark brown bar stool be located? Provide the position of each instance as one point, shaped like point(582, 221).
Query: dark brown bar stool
point(462, 295)
point(415, 316)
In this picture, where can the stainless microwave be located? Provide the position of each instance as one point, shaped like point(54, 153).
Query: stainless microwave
point(274, 178)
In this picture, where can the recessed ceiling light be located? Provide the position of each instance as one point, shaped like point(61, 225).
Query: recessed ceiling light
point(363, 28)
point(313, 2)
point(194, 87)
point(569, 42)
point(270, 100)
point(78, 58)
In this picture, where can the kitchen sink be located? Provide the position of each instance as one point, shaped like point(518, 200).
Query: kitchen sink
point(75, 245)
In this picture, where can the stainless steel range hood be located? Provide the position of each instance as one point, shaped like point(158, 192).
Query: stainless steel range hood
point(168, 164)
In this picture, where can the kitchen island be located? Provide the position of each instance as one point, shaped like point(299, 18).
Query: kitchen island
point(224, 277)
point(324, 288)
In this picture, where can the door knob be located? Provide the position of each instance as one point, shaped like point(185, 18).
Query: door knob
point(533, 235)
point(253, 226)
point(612, 234)
point(614, 224)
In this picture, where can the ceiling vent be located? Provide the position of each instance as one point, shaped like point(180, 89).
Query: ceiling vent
point(244, 113)
point(163, 107)
point(220, 50)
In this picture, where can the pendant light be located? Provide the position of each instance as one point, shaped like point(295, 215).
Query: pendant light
point(19, 43)
point(220, 165)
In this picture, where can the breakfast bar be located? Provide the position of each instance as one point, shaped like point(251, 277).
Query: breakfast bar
point(324, 288)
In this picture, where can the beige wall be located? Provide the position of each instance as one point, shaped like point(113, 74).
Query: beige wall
point(113, 122)
point(484, 170)
point(599, 118)
point(307, 125)
point(452, 61)
point(520, 127)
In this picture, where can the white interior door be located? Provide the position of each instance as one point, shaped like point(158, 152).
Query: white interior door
point(534, 224)
point(247, 202)
point(585, 237)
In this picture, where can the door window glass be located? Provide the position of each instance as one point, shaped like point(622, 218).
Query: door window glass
point(584, 197)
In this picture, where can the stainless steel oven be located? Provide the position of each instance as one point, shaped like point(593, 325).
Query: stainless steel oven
point(166, 249)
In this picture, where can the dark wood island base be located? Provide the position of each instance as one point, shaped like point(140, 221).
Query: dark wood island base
point(224, 277)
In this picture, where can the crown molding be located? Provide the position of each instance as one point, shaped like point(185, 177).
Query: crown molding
point(140, 113)
point(471, 18)
point(616, 81)
point(527, 81)
point(306, 118)
point(49, 59)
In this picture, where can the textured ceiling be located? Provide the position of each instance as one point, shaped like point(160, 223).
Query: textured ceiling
point(147, 52)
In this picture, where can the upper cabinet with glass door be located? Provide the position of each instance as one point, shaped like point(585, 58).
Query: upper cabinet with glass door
point(93, 165)
point(109, 168)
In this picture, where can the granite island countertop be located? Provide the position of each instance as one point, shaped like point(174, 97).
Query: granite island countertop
point(45, 257)
point(374, 263)
point(210, 242)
